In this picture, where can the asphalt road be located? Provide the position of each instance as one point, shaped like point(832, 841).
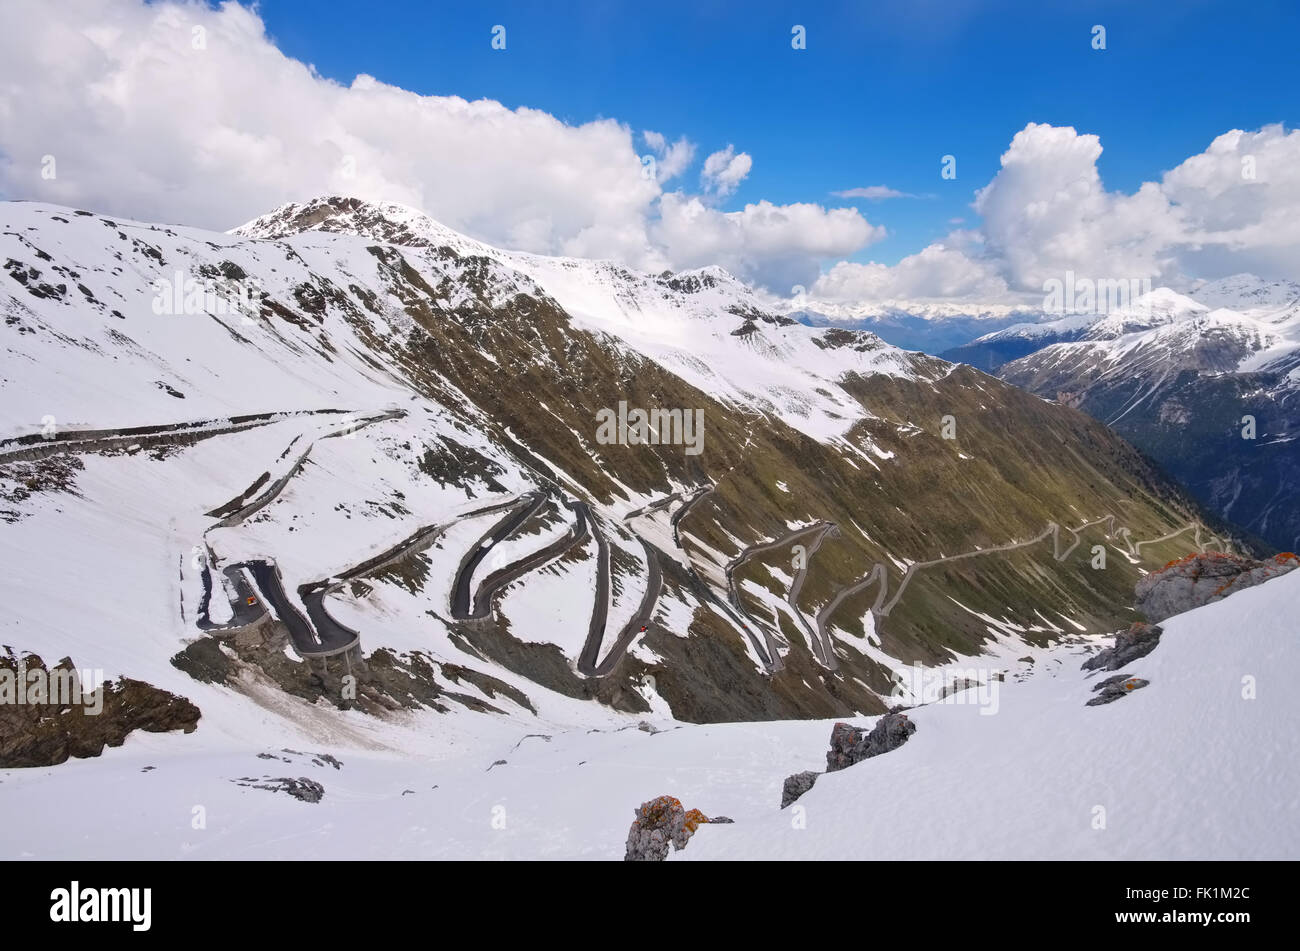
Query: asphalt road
point(464, 604)
point(772, 652)
point(306, 640)
point(242, 613)
point(587, 663)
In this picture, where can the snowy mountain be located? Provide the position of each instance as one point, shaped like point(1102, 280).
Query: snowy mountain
point(929, 326)
point(1153, 309)
point(345, 480)
point(1267, 302)
point(1206, 389)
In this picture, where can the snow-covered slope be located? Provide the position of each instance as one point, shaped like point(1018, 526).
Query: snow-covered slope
point(689, 322)
point(1196, 765)
point(1199, 764)
point(387, 461)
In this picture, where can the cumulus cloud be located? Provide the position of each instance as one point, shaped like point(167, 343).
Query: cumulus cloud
point(936, 272)
point(180, 112)
point(1046, 212)
point(671, 159)
point(184, 113)
point(1239, 202)
point(1234, 207)
point(724, 171)
point(777, 246)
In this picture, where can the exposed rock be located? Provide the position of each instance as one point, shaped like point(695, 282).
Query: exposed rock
point(659, 823)
point(852, 744)
point(63, 720)
point(391, 681)
point(1202, 579)
point(1138, 641)
point(1112, 688)
point(307, 790)
point(796, 785)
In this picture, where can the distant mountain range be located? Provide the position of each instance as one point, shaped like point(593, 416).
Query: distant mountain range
point(1206, 383)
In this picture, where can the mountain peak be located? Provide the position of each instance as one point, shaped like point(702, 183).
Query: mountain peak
point(387, 221)
point(1248, 293)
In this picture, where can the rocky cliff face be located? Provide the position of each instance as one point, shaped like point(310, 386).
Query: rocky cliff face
point(1203, 579)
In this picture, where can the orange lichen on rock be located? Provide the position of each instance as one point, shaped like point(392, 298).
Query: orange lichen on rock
point(662, 822)
point(1202, 556)
point(658, 811)
point(693, 820)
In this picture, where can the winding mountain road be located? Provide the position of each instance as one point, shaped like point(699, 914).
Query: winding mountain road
point(764, 648)
point(465, 604)
point(733, 590)
point(879, 573)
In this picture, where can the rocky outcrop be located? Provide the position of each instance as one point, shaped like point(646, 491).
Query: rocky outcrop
point(1138, 641)
point(1202, 579)
point(302, 788)
point(49, 715)
point(659, 823)
point(1112, 688)
point(796, 785)
point(852, 744)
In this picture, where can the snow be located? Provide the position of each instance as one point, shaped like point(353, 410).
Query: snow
point(1189, 767)
point(1185, 768)
point(126, 536)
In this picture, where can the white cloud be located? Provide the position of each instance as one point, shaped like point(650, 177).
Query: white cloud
point(1047, 211)
point(671, 159)
point(141, 123)
point(724, 171)
point(876, 193)
point(777, 246)
point(936, 272)
point(1233, 222)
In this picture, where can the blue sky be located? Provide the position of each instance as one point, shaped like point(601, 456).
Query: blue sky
point(880, 94)
point(1173, 155)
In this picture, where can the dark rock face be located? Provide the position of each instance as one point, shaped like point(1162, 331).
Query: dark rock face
point(1202, 579)
point(1138, 641)
point(302, 788)
point(852, 744)
point(659, 823)
point(796, 785)
point(46, 729)
point(1112, 688)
